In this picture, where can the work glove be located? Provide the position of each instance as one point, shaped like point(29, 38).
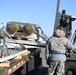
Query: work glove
point(68, 53)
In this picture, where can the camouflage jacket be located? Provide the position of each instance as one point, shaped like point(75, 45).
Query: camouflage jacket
point(60, 44)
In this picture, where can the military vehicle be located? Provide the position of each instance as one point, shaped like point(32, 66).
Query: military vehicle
point(20, 48)
point(66, 21)
point(19, 44)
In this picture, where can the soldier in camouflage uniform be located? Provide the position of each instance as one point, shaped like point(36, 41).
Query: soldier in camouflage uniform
point(55, 50)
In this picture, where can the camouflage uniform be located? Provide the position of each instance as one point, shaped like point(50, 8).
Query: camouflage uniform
point(55, 49)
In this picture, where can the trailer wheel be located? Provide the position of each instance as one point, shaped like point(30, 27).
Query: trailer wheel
point(70, 68)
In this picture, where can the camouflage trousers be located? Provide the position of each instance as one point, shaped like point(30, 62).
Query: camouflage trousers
point(56, 68)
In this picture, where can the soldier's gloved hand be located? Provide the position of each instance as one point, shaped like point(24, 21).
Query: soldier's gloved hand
point(68, 52)
point(71, 51)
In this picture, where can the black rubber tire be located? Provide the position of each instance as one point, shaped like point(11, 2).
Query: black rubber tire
point(70, 68)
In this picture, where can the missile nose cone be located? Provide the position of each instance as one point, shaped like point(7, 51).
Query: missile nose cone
point(11, 29)
point(28, 29)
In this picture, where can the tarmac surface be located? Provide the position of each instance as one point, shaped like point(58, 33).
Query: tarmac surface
point(42, 71)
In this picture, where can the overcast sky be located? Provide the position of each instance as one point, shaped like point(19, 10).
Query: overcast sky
point(41, 12)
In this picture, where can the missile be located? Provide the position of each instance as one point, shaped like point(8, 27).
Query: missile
point(28, 29)
point(12, 28)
